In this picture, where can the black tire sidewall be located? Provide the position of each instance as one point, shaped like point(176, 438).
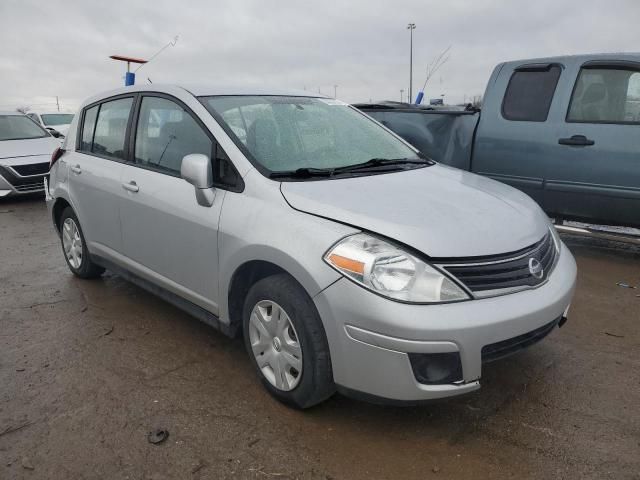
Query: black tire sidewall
point(316, 383)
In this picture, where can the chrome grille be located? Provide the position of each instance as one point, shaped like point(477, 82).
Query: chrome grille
point(498, 274)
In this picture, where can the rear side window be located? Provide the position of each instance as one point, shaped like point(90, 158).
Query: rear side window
point(606, 95)
point(529, 93)
point(88, 127)
point(166, 132)
point(111, 128)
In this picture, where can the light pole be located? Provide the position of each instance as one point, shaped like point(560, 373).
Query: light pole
point(335, 91)
point(401, 94)
point(411, 27)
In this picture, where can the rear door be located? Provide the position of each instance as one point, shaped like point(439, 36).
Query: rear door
point(94, 172)
point(168, 237)
point(518, 129)
point(596, 171)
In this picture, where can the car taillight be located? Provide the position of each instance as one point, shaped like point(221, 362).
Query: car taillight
point(57, 153)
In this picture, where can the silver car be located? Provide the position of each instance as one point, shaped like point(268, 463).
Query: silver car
point(346, 259)
point(25, 151)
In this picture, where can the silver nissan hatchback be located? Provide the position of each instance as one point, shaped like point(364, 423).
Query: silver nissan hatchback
point(345, 258)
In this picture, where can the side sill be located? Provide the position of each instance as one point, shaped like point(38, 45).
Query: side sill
point(185, 305)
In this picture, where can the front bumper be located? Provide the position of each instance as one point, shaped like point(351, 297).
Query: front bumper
point(11, 183)
point(370, 336)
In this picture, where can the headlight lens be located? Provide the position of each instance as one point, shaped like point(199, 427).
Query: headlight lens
point(390, 271)
point(556, 237)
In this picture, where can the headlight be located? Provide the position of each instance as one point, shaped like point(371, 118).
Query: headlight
point(556, 237)
point(390, 271)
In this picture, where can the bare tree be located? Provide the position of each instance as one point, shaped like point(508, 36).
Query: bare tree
point(23, 109)
point(435, 65)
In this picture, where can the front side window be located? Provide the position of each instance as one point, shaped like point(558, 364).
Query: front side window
point(603, 95)
point(54, 119)
point(111, 128)
point(285, 133)
point(529, 93)
point(19, 127)
point(166, 132)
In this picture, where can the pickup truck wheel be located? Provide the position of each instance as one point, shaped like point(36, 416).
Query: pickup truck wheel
point(286, 342)
point(74, 247)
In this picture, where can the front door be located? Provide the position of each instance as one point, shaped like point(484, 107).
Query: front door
point(168, 238)
point(596, 170)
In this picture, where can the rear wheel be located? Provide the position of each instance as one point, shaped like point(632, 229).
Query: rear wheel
point(74, 247)
point(285, 339)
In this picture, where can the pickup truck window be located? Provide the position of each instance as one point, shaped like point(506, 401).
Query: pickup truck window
point(529, 94)
point(606, 95)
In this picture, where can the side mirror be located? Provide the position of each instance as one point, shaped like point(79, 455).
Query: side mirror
point(55, 133)
point(196, 169)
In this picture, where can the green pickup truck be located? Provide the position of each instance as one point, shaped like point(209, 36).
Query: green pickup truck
point(565, 130)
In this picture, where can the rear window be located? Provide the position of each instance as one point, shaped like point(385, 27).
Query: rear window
point(19, 127)
point(111, 128)
point(529, 94)
point(54, 119)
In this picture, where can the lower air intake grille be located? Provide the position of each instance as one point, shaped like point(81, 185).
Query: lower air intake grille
point(507, 347)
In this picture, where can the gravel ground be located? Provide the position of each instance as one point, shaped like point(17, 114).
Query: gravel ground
point(88, 368)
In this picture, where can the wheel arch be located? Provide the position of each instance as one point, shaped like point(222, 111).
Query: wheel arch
point(247, 272)
point(56, 212)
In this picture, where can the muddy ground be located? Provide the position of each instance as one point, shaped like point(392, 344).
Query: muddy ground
point(88, 368)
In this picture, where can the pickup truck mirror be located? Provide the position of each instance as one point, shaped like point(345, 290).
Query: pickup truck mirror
point(196, 169)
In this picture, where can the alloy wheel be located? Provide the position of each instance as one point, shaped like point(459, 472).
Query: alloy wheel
point(72, 243)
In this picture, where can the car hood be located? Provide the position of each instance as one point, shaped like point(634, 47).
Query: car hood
point(26, 148)
point(438, 210)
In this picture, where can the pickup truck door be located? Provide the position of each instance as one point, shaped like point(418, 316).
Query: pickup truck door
point(517, 132)
point(595, 173)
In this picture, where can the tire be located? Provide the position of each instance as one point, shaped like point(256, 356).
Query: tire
point(80, 263)
point(314, 382)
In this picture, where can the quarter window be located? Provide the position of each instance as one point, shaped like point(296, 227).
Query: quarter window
point(603, 95)
point(111, 128)
point(88, 127)
point(166, 132)
point(529, 93)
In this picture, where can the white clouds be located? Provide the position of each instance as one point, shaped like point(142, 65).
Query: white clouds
point(62, 48)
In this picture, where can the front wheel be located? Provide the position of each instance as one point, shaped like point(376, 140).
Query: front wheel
point(285, 339)
point(74, 247)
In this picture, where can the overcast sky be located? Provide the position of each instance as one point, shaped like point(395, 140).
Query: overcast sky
point(55, 47)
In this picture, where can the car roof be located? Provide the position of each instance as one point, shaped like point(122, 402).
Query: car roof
point(203, 90)
point(49, 112)
point(584, 57)
point(9, 112)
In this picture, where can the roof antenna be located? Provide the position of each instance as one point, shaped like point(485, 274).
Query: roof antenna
point(170, 44)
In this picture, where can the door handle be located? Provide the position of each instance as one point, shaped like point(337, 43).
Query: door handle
point(576, 141)
point(131, 186)
point(77, 170)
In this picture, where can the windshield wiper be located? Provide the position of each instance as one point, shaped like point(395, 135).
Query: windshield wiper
point(305, 172)
point(374, 163)
point(382, 162)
